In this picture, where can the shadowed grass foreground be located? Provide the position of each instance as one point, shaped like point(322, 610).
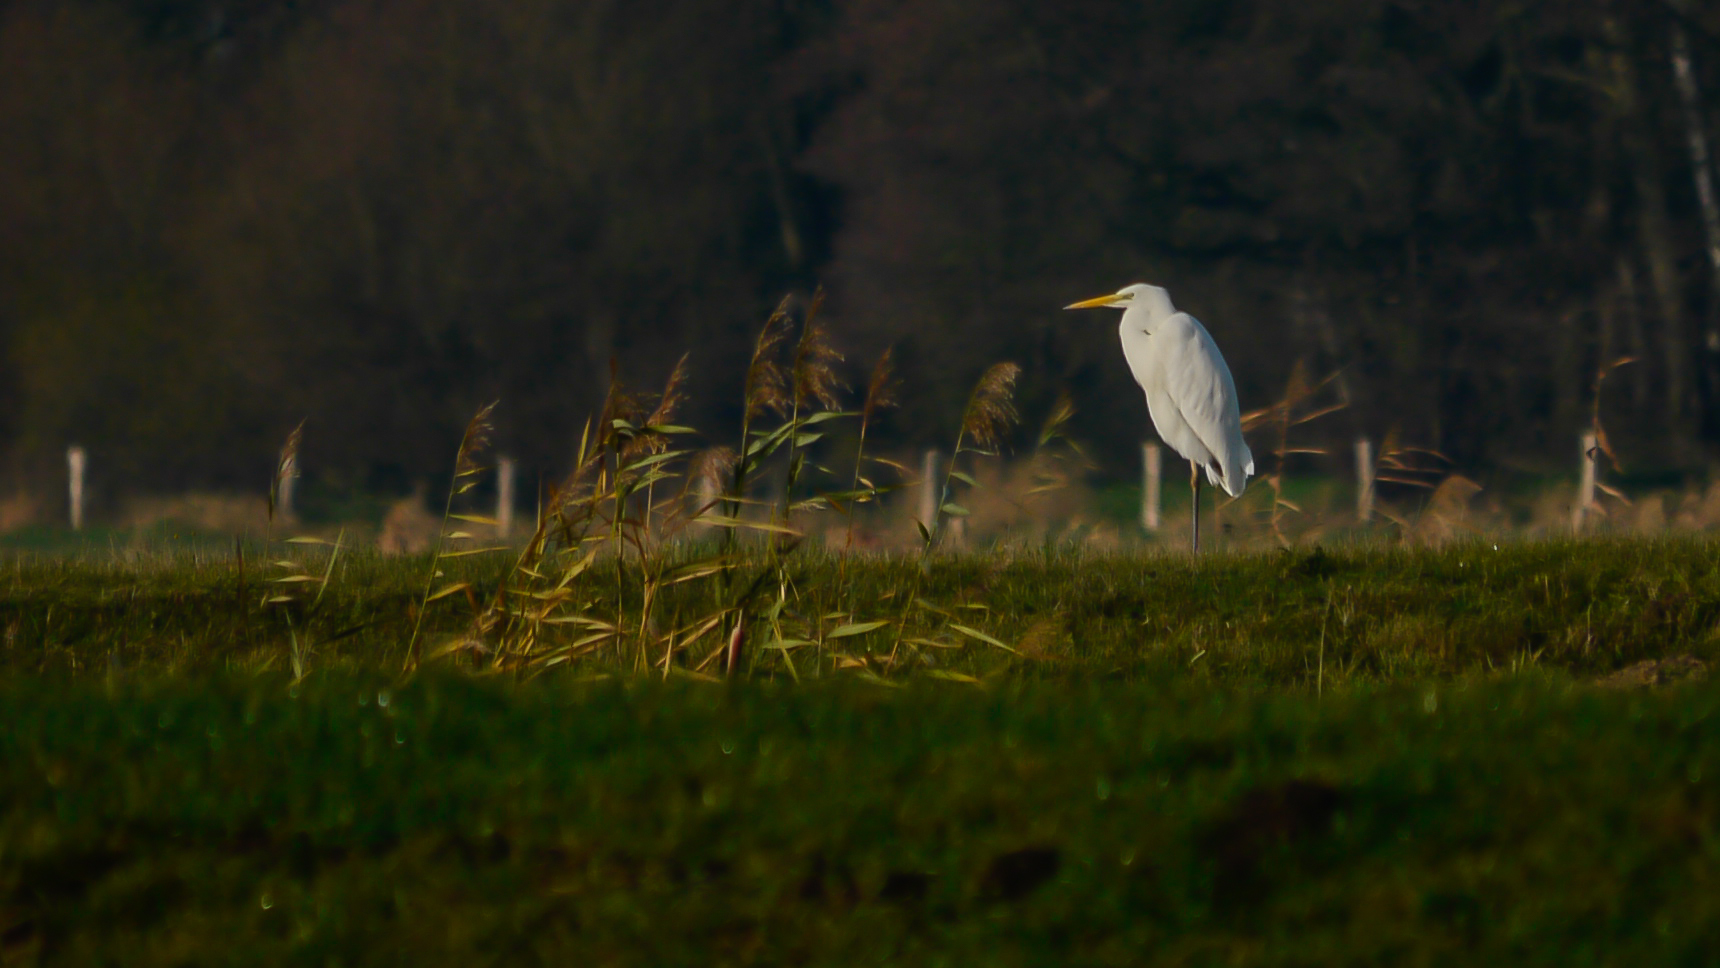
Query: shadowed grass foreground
point(456, 821)
point(1316, 619)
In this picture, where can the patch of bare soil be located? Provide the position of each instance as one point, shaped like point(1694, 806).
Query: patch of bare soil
point(1657, 672)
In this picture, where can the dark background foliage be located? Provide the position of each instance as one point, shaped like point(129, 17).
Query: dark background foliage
point(219, 217)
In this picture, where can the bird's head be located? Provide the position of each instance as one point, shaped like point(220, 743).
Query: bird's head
point(1152, 299)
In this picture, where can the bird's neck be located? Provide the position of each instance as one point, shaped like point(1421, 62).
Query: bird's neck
point(1137, 323)
point(1154, 302)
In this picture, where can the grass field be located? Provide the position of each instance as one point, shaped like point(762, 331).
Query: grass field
point(1346, 756)
point(1301, 619)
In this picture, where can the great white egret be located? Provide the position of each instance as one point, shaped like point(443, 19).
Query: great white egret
point(1190, 394)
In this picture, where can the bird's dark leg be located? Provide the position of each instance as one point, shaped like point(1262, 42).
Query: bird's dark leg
point(1194, 501)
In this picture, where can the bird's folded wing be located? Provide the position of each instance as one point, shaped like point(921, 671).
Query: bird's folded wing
point(1200, 384)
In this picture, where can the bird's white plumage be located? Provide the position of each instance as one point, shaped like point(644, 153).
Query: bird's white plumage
point(1190, 393)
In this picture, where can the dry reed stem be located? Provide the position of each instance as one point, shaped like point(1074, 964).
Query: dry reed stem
point(1399, 463)
point(813, 375)
point(1601, 441)
point(1298, 405)
point(880, 394)
point(626, 453)
point(987, 419)
point(466, 469)
point(1053, 468)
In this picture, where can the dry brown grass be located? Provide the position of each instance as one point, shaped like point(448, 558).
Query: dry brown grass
point(408, 528)
point(235, 514)
point(1302, 403)
point(20, 510)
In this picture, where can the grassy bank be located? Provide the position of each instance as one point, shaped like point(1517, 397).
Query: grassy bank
point(1318, 619)
point(351, 819)
point(1364, 755)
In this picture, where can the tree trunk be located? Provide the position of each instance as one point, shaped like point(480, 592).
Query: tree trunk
point(792, 245)
point(1568, 370)
point(1654, 235)
point(1606, 326)
point(1636, 343)
point(1697, 139)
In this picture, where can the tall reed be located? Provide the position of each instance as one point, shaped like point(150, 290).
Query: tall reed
point(473, 443)
point(989, 416)
point(880, 395)
point(987, 419)
point(551, 608)
point(813, 378)
point(1299, 405)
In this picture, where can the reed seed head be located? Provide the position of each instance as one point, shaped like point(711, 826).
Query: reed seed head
point(650, 439)
point(285, 466)
point(990, 412)
point(619, 403)
point(713, 467)
point(1061, 413)
point(475, 441)
point(815, 359)
point(766, 383)
point(289, 458)
point(881, 387)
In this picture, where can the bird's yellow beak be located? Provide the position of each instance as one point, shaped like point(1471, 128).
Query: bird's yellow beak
point(1098, 302)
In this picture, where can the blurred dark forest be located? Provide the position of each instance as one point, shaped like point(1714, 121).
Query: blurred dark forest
point(219, 217)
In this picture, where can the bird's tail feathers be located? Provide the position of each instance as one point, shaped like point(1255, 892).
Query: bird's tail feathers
point(1235, 474)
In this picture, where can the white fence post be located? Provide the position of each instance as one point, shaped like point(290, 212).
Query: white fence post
point(505, 470)
point(75, 461)
point(1152, 467)
point(1364, 480)
point(1586, 484)
point(929, 491)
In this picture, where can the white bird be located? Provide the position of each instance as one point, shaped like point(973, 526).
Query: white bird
point(1190, 393)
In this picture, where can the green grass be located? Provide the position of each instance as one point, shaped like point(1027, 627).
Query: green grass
point(241, 821)
point(1362, 614)
point(1360, 755)
point(45, 540)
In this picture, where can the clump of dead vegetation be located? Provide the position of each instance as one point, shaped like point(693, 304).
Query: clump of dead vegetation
point(671, 558)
